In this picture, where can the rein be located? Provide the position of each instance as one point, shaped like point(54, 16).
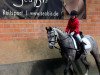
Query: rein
point(66, 47)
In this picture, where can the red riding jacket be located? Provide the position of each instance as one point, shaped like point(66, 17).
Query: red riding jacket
point(73, 25)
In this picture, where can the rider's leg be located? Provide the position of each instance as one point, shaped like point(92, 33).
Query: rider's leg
point(79, 38)
point(81, 42)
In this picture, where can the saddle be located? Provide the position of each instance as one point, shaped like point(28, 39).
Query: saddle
point(79, 47)
point(76, 42)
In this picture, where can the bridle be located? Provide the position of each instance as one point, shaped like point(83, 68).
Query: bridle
point(55, 41)
point(55, 37)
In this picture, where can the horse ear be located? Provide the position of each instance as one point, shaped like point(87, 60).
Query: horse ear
point(46, 28)
point(50, 28)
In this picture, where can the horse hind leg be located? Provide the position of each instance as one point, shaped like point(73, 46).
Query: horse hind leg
point(95, 53)
point(86, 63)
point(97, 59)
point(67, 67)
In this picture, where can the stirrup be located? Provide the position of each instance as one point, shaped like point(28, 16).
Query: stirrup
point(83, 43)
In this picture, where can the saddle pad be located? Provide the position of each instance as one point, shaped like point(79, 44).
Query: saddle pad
point(88, 44)
point(85, 40)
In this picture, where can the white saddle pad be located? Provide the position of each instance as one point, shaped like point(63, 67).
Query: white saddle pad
point(88, 44)
point(86, 41)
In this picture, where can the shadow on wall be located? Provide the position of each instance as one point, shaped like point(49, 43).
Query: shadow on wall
point(48, 67)
point(54, 67)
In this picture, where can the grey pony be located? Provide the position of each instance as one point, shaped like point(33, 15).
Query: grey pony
point(68, 51)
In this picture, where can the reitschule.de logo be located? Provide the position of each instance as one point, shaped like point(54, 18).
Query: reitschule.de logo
point(37, 3)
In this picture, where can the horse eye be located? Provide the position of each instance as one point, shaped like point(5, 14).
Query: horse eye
point(48, 36)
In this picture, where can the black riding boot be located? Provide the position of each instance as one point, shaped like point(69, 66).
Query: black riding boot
point(83, 47)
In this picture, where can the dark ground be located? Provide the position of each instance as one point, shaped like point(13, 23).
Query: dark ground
point(43, 67)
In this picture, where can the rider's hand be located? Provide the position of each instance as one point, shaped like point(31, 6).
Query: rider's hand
point(72, 33)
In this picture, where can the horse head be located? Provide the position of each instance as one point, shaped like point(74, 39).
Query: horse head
point(52, 36)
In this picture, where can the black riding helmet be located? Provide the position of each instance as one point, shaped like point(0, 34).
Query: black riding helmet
point(73, 13)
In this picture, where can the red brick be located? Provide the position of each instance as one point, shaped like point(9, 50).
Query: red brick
point(34, 29)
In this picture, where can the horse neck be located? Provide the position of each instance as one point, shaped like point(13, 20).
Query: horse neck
point(61, 34)
point(63, 40)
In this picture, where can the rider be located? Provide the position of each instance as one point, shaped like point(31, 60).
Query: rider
point(73, 28)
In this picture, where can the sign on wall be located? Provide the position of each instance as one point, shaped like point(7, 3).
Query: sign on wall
point(41, 9)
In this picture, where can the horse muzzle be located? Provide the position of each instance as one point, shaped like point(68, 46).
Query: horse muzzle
point(51, 47)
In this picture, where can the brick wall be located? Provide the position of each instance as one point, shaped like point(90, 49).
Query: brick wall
point(19, 39)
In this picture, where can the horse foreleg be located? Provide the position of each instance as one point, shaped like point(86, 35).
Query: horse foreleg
point(72, 70)
point(67, 67)
point(65, 71)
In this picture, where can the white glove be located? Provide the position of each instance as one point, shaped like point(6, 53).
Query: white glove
point(72, 33)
